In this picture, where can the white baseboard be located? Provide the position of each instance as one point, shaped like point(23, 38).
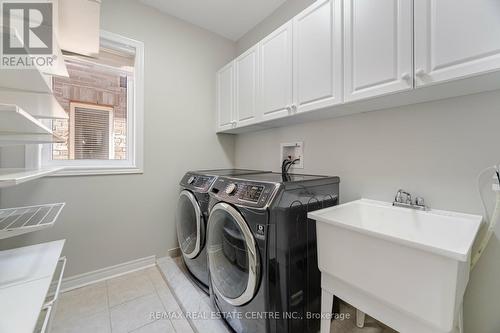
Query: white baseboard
point(106, 273)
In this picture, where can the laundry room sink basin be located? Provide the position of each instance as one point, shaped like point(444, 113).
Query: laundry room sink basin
point(407, 268)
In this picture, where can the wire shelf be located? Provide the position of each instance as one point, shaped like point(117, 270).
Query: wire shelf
point(22, 220)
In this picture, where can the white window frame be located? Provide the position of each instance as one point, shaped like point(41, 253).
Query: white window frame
point(135, 125)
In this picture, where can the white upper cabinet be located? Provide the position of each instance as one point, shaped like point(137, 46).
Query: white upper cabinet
point(378, 47)
point(455, 39)
point(275, 88)
point(225, 97)
point(246, 83)
point(340, 57)
point(317, 56)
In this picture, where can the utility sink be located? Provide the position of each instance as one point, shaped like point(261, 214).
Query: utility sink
point(407, 268)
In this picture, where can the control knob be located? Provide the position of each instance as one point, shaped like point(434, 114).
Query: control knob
point(231, 188)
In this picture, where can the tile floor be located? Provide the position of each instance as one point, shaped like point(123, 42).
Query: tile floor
point(349, 326)
point(122, 304)
point(125, 304)
point(193, 300)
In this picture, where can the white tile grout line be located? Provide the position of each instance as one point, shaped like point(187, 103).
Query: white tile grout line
point(175, 299)
point(130, 300)
point(161, 301)
point(108, 307)
point(183, 309)
point(181, 270)
point(155, 292)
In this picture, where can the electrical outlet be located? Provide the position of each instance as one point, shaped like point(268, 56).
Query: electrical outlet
point(293, 150)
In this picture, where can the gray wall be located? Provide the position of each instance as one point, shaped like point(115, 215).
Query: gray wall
point(113, 219)
point(432, 149)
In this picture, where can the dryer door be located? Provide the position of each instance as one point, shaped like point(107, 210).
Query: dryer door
point(232, 255)
point(190, 228)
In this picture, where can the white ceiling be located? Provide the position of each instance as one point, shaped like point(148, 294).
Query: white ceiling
point(228, 18)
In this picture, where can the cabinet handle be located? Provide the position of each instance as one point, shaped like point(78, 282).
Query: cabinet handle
point(420, 72)
point(405, 77)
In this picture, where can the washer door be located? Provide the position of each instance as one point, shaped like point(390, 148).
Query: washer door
point(190, 229)
point(232, 255)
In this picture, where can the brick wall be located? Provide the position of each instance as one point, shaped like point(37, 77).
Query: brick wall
point(91, 84)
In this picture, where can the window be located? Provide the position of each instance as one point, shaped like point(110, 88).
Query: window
point(91, 132)
point(103, 98)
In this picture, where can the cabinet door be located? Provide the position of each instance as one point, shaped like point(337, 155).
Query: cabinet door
point(455, 39)
point(276, 73)
point(246, 68)
point(317, 56)
point(225, 97)
point(378, 47)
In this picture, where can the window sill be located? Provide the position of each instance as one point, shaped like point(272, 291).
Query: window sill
point(97, 171)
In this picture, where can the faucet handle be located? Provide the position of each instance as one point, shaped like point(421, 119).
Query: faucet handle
point(408, 198)
point(419, 201)
point(399, 196)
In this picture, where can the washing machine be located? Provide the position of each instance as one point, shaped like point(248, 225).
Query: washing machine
point(191, 219)
point(262, 253)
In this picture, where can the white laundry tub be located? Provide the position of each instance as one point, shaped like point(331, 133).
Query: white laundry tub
point(407, 268)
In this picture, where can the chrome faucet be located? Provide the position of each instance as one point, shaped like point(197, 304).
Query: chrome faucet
point(399, 197)
point(407, 202)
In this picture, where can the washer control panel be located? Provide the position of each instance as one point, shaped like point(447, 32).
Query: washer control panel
point(245, 193)
point(200, 183)
point(231, 188)
point(251, 192)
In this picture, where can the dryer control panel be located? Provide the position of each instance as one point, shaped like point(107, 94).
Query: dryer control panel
point(251, 192)
point(244, 193)
point(200, 183)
